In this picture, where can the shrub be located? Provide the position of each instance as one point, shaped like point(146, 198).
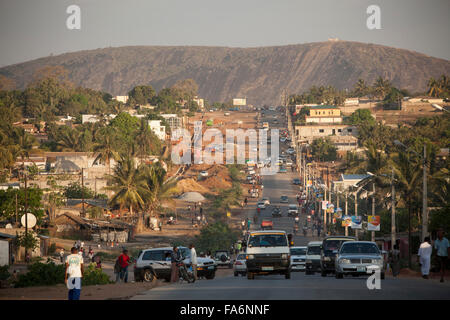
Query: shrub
point(4, 273)
point(217, 236)
point(94, 276)
point(41, 274)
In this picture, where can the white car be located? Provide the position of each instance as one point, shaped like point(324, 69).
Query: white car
point(290, 150)
point(298, 258)
point(261, 205)
point(292, 210)
point(266, 201)
point(282, 139)
point(239, 266)
point(204, 173)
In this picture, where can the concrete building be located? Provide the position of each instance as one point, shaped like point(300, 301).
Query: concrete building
point(175, 122)
point(348, 180)
point(158, 129)
point(93, 118)
point(200, 102)
point(324, 114)
point(307, 133)
point(123, 99)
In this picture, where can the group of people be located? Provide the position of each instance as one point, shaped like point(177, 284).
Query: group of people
point(176, 259)
point(441, 245)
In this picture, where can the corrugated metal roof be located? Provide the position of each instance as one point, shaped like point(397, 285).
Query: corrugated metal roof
point(354, 176)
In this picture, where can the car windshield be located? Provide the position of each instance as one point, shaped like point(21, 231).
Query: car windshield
point(314, 250)
point(185, 252)
point(360, 248)
point(241, 257)
point(331, 245)
point(298, 251)
point(268, 240)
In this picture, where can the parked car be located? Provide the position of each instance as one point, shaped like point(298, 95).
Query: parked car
point(358, 258)
point(298, 258)
point(292, 210)
point(284, 199)
point(223, 258)
point(328, 251)
point(152, 262)
point(239, 266)
point(312, 263)
point(296, 181)
point(268, 253)
point(289, 163)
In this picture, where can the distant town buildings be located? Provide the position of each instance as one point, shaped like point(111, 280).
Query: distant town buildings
point(123, 99)
point(158, 129)
point(324, 114)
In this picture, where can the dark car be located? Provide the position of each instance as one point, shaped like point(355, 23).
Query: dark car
point(328, 250)
point(296, 181)
point(276, 212)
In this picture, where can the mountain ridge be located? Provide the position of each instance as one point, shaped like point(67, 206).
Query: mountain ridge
point(259, 73)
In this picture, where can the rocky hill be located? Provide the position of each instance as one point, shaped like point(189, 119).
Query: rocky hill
point(260, 74)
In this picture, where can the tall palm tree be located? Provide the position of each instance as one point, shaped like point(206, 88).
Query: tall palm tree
point(381, 87)
point(147, 142)
point(24, 143)
point(129, 185)
point(106, 148)
point(361, 88)
point(69, 140)
point(434, 88)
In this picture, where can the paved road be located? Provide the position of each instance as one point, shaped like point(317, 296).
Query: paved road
point(300, 286)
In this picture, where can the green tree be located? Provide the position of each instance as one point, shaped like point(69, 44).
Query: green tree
point(141, 95)
point(323, 149)
point(361, 116)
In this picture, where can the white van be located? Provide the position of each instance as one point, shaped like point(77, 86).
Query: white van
point(268, 252)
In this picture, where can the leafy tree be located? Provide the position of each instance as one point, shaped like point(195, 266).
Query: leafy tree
point(381, 87)
point(74, 191)
point(323, 149)
point(217, 236)
point(361, 116)
point(141, 95)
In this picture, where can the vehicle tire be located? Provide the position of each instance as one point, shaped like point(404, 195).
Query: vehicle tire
point(382, 276)
point(323, 273)
point(236, 274)
point(148, 276)
point(339, 275)
point(210, 276)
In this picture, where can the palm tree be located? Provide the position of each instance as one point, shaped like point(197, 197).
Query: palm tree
point(434, 88)
point(24, 143)
point(105, 149)
point(361, 88)
point(381, 87)
point(147, 142)
point(69, 140)
point(129, 185)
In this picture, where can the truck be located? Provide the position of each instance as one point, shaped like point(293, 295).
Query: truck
point(268, 252)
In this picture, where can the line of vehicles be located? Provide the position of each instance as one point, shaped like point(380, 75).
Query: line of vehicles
point(269, 252)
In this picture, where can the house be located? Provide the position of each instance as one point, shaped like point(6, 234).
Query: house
point(200, 102)
point(348, 180)
point(158, 129)
point(40, 162)
point(175, 122)
point(12, 185)
point(324, 114)
point(308, 133)
point(122, 99)
point(6, 248)
point(93, 118)
point(344, 143)
point(351, 102)
point(27, 127)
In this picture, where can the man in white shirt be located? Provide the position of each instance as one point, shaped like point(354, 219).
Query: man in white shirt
point(424, 255)
point(73, 274)
point(193, 260)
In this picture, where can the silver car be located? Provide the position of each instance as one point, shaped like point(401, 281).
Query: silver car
point(358, 258)
point(298, 258)
point(239, 265)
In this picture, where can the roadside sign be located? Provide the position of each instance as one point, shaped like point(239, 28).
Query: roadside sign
point(373, 223)
point(356, 222)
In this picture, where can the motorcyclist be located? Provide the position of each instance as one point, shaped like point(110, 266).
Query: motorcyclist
point(296, 220)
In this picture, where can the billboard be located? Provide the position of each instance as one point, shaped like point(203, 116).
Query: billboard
point(356, 222)
point(373, 223)
point(346, 221)
point(239, 102)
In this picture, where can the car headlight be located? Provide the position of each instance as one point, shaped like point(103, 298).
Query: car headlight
point(250, 256)
point(344, 261)
point(284, 256)
point(377, 261)
point(326, 259)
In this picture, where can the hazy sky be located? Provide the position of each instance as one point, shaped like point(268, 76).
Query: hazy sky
point(32, 29)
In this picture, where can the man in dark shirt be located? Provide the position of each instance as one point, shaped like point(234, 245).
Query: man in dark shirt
point(175, 258)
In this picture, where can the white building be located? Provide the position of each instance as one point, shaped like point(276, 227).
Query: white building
point(200, 102)
point(158, 129)
point(348, 180)
point(351, 102)
point(123, 99)
point(175, 122)
point(93, 118)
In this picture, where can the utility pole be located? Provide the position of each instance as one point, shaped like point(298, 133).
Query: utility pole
point(356, 211)
point(373, 209)
point(346, 213)
point(393, 211)
point(17, 221)
point(82, 192)
point(325, 213)
point(26, 206)
point(424, 196)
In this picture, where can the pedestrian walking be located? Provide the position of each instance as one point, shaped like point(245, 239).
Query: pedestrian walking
point(394, 260)
point(73, 274)
point(61, 255)
point(160, 225)
point(90, 254)
point(193, 260)
point(124, 262)
point(442, 246)
point(175, 260)
point(424, 256)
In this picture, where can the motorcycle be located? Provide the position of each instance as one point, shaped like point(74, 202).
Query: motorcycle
point(184, 274)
